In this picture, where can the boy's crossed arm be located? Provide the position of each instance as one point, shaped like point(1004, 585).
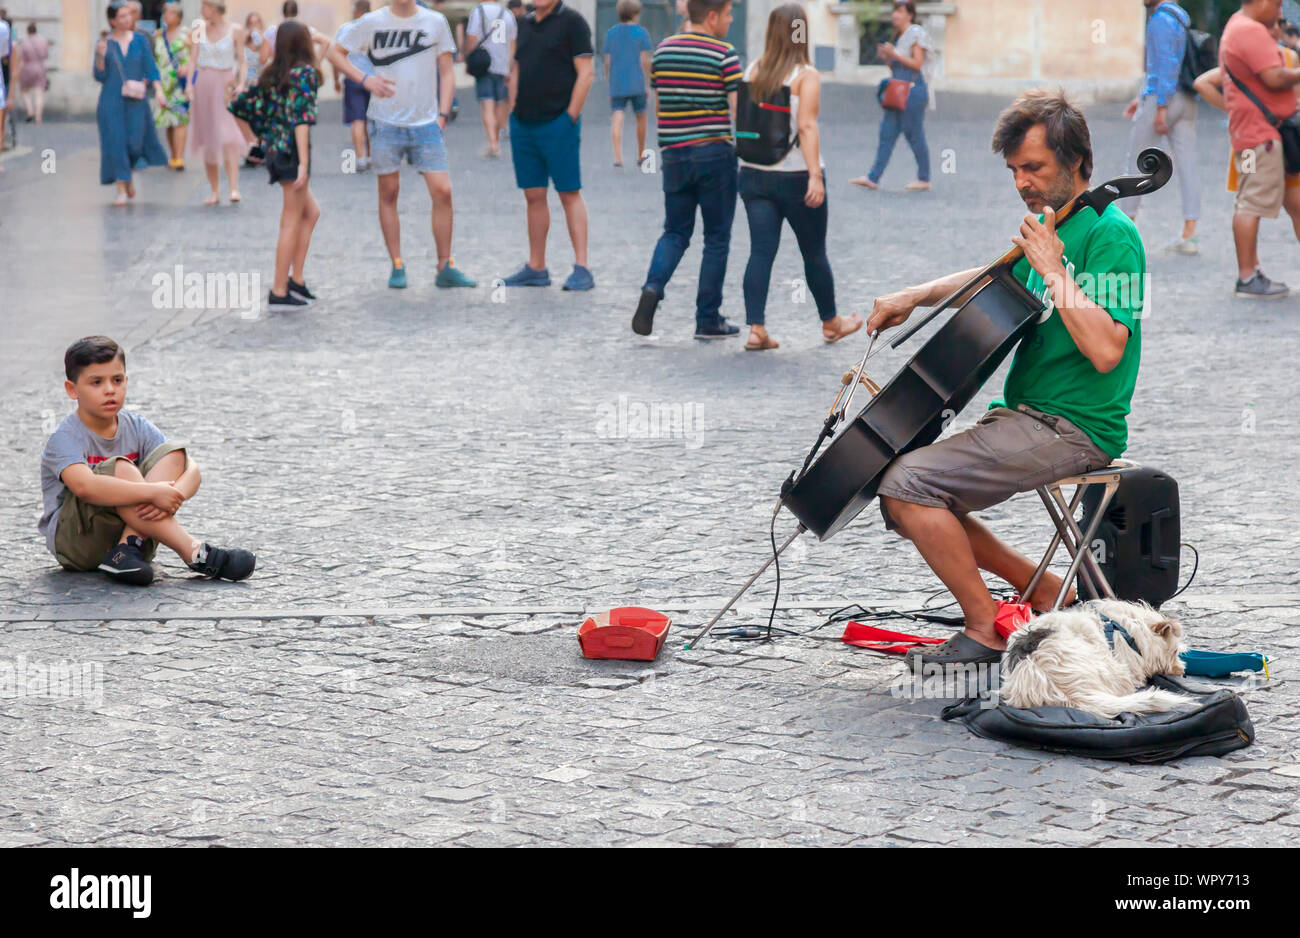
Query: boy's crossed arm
point(152, 500)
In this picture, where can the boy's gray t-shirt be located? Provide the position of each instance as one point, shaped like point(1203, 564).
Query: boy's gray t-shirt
point(73, 442)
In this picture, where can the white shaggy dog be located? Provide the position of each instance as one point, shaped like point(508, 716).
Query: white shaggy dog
point(1063, 659)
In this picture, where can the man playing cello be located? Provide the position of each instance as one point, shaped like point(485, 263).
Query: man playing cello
point(1068, 391)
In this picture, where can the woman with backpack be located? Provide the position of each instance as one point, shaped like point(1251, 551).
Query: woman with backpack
point(784, 181)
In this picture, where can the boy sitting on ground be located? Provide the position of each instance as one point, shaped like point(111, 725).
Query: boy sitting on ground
point(112, 483)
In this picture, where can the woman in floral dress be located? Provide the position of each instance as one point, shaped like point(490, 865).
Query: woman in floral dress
point(280, 109)
point(171, 50)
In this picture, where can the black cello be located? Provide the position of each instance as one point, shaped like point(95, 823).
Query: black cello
point(934, 386)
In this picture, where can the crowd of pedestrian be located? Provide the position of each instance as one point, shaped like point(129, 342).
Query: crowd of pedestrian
point(533, 70)
point(23, 73)
point(1255, 80)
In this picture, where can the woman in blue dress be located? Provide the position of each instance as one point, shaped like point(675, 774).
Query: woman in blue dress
point(125, 66)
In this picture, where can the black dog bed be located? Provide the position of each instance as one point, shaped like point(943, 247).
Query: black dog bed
point(1216, 724)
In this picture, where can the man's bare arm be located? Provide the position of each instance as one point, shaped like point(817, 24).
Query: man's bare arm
point(1100, 338)
point(379, 87)
point(586, 69)
point(1278, 78)
point(894, 308)
point(446, 85)
point(1209, 85)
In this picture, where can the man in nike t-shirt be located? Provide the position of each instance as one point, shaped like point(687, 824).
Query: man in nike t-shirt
point(409, 49)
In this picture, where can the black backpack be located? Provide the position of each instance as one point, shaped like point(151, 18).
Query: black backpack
point(1200, 54)
point(479, 61)
point(763, 127)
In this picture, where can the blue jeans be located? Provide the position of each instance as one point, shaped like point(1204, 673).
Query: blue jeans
point(771, 198)
point(909, 122)
point(703, 175)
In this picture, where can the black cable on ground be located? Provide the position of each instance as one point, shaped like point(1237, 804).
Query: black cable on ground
point(1196, 563)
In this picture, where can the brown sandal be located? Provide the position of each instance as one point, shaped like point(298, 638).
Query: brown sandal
point(855, 323)
point(767, 343)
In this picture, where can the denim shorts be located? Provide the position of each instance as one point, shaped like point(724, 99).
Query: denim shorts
point(356, 100)
point(618, 102)
point(422, 146)
point(547, 151)
point(491, 87)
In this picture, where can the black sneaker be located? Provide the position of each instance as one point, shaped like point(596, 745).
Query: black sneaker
point(300, 290)
point(1259, 287)
point(125, 563)
point(644, 319)
point(221, 563)
point(719, 330)
point(290, 300)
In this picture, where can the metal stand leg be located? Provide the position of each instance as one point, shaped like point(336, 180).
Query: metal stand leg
point(1077, 542)
point(1060, 512)
point(1051, 550)
point(694, 643)
point(1091, 567)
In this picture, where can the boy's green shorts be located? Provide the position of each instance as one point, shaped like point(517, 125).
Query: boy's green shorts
point(85, 532)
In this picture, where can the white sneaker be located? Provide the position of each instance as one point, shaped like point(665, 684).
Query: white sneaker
point(1183, 246)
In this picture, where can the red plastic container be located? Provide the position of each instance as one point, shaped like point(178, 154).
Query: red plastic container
point(1011, 616)
point(631, 633)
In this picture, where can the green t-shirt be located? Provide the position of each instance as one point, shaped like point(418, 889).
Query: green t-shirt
point(1104, 255)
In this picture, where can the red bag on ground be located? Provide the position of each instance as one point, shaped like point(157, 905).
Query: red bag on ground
point(878, 639)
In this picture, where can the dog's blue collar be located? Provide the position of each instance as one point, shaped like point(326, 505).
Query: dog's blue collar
point(1110, 627)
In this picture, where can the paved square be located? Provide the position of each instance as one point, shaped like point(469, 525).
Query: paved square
point(437, 484)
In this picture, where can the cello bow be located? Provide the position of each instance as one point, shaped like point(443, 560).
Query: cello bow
point(1155, 168)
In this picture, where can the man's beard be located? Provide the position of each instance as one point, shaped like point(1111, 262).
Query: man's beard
point(1057, 195)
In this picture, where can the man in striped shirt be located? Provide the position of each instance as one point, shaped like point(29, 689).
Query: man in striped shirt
point(694, 76)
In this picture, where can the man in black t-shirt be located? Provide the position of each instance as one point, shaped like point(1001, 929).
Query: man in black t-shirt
point(549, 88)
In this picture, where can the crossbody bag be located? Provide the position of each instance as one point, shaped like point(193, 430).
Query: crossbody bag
point(132, 88)
point(1288, 129)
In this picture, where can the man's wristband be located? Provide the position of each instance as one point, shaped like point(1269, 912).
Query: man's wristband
point(445, 115)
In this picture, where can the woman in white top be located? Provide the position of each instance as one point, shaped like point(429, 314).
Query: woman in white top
point(254, 42)
point(792, 189)
point(217, 70)
point(906, 58)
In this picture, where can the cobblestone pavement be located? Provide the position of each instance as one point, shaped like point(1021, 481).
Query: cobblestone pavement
point(438, 484)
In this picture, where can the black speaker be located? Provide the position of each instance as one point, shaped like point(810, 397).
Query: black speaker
point(1137, 541)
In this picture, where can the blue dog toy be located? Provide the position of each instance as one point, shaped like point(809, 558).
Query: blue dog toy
point(1221, 664)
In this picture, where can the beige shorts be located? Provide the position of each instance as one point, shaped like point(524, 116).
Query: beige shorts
point(1007, 452)
point(1260, 190)
point(85, 532)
